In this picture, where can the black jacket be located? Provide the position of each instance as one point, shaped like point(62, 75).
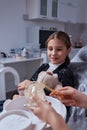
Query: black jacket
point(65, 75)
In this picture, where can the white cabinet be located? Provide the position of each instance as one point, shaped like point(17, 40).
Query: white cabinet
point(67, 10)
point(61, 10)
point(54, 9)
point(37, 9)
point(42, 9)
point(81, 12)
point(72, 11)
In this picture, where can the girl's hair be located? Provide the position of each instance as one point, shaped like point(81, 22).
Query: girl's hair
point(63, 37)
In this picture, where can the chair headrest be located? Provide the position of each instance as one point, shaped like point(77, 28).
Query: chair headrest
point(83, 53)
point(81, 56)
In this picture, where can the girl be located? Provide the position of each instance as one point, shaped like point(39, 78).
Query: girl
point(58, 48)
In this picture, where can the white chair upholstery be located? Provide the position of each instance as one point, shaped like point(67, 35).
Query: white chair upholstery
point(78, 119)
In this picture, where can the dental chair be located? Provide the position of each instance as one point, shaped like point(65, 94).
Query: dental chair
point(3, 71)
point(78, 117)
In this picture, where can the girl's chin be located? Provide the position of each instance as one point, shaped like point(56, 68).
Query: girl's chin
point(54, 62)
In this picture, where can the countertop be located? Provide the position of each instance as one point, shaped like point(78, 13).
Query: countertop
point(18, 59)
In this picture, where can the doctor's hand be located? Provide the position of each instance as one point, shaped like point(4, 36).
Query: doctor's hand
point(71, 97)
point(46, 113)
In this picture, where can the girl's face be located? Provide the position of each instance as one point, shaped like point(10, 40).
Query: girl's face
point(57, 51)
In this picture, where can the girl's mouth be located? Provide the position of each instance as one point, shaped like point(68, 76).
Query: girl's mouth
point(54, 58)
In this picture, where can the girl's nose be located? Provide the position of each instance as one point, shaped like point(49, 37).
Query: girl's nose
point(54, 52)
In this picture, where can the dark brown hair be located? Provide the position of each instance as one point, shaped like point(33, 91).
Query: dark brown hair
point(63, 37)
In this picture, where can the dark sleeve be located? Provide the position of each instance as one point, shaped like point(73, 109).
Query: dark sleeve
point(66, 77)
point(43, 67)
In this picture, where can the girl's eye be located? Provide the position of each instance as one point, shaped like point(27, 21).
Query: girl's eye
point(59, 49)
point(50, 48)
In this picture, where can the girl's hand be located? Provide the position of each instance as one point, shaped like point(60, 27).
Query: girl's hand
point(23, 85)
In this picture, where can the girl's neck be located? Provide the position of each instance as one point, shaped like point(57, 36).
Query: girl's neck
point(52, 67)
point(56, 65)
